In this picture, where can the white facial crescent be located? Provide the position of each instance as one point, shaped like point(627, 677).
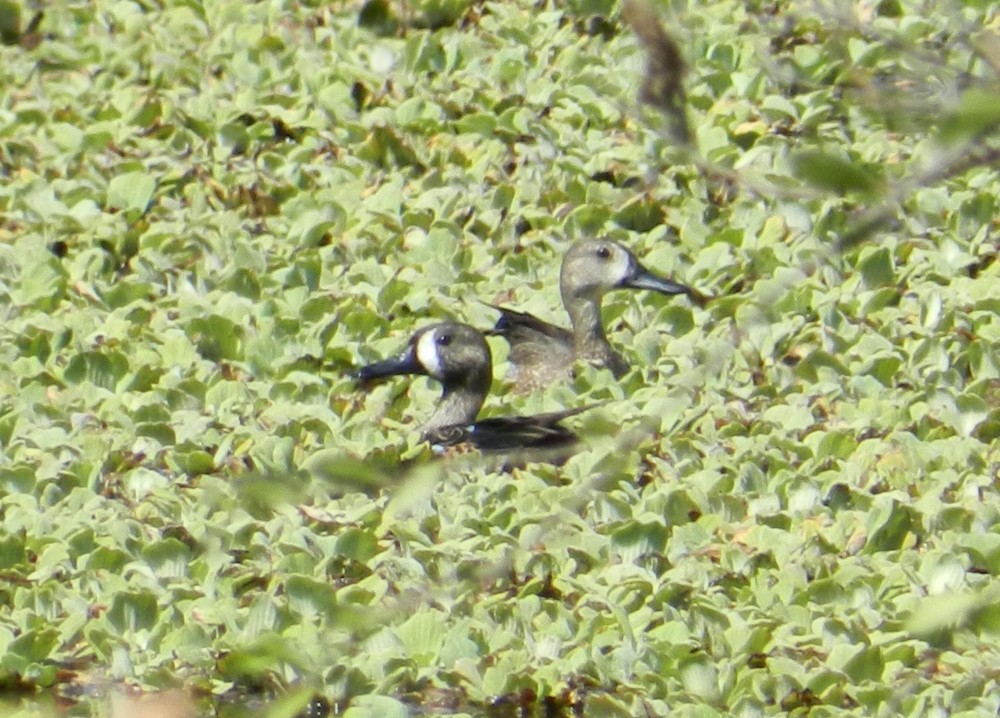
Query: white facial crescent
point(427, 353)
point(622, 265)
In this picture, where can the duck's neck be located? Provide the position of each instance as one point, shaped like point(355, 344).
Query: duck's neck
point(459, 405)
point(590, 343)
point(588, 328)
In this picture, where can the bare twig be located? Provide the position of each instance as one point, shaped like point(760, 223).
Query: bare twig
point(663, 83)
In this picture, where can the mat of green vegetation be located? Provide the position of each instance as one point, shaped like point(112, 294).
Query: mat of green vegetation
point(210, 214)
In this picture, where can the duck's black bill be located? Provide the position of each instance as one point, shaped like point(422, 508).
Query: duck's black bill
point(642, 278)
point(405, 363)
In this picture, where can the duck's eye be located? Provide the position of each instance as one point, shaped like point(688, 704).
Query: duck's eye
point(443, 339)
point(604, 253)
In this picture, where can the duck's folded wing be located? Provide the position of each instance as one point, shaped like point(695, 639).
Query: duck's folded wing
point(517, 326)
point(510, 433)
point(533, 341)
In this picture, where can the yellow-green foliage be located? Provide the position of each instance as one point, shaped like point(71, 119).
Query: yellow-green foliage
point(210, 213)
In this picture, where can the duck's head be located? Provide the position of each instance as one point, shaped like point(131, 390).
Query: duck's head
point(593, 267)
point(455, 354)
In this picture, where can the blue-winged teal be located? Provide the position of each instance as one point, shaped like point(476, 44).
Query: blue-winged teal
point(541, 352)
point(458, 356)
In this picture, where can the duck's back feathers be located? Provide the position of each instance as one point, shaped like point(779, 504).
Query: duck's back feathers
point(517, 327)
point(539, 352)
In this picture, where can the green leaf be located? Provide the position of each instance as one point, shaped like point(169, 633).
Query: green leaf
point(265, 655)
point(195, 461)
point(12, 552)
point(641, 214)
point(836, 445)
point(984, 551)
point(876, 268)
point(645, 537)
point(103, 369)
point(422, 636)
point(294, 704)
point(42, 286)
point(978, 111)
point(867, 664)
point(310, 596)
point(169, 557)
point(131, 191)
point(836, 173)
point(10, 22)
point(217, 338)
point(374, 706)
point(133, 611)
point(339, 469)
point(109, 559)
point(891, 528)
point(938, 619)
point(34, 645)
point(357, 544)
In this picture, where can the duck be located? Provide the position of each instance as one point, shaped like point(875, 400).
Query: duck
point(542, 353)
point(458, 356)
